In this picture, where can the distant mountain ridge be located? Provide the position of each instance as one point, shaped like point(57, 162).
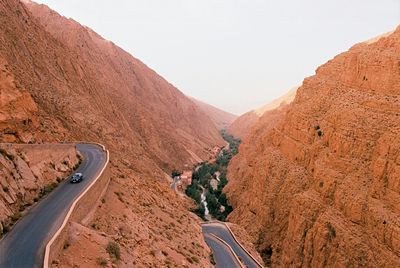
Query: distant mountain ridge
point(243, 124)
point(221, 118)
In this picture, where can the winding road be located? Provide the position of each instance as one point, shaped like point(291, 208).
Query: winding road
point(219, 230)
point(223, 255)
point(24, 245)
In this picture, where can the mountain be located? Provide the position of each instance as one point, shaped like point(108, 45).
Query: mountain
point(60, 81)
point(243, 124)
point(319, 186)
point(220, 118)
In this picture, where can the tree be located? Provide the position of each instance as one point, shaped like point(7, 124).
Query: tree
point(175, 173)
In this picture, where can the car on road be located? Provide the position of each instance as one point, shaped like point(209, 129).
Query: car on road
point(77, 177)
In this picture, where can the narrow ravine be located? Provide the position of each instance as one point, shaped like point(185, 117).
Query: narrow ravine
point(209, 180)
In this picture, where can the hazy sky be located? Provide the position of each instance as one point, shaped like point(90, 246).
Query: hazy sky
point(234, 54)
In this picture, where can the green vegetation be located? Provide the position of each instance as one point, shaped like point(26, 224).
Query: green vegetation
point(319, 131)
point(233, 142)
point(332, 231)
point(47, 189)
point(66, 245)
point(114, 250)
point(101, 261)
point(16, 216)
point(175, 173)
point(206, 174)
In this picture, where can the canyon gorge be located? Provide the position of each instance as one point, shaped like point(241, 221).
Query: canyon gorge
point(310, 179)
point(61, 82)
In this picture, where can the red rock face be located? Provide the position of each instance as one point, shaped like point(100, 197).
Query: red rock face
point(321, 186)
point(243, 124)
point(97, 90)
point(60, 81)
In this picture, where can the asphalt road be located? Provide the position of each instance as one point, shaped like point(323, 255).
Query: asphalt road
point(24, 245)
point(222, 232)
point(222, 254)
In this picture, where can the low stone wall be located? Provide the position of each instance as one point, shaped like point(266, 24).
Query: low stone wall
point(79, 213)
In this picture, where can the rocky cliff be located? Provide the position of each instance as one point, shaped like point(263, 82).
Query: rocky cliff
point(28, 173)
point(60, 81)
point(244, 123)
point(319, 187)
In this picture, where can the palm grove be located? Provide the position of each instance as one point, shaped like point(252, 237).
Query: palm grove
point(205, 174)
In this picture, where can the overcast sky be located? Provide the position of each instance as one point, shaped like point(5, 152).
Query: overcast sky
point(234, 54)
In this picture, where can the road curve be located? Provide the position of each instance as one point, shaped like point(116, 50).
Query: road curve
point(223, 255)
point(24, 245)
point(222, 232)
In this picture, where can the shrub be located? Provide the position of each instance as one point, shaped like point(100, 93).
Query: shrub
point(331, 230)
point(16, 216)
point(6, 228)
point(66, 245)
point(175, 173)
point(113, 249)
point(101, 261)
point(47, 189)
point(195, 259)
point(189, 260)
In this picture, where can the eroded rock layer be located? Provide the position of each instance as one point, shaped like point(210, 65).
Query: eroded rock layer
point(320, 186)
point(60, 81)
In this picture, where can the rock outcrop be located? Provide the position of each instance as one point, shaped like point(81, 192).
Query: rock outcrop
point(27, 173)
point(320, 186)
point(244, 123)
point(60, 81)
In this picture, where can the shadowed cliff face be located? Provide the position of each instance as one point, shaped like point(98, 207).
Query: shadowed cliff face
point(60, 81)
point(320, 186)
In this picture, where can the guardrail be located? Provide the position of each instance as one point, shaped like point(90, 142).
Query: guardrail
point(46, 263)
point(236, 240)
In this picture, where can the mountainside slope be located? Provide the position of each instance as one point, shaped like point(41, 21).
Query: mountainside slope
point(60, 81)
point(220, 118)
point(243, 124)
point(320, 187)
point(151, 107)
